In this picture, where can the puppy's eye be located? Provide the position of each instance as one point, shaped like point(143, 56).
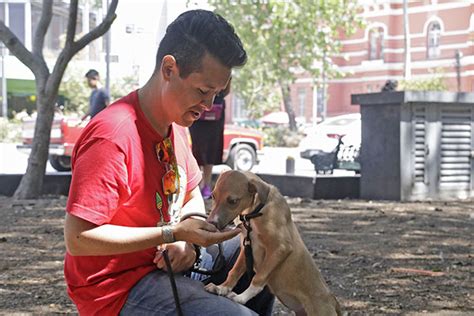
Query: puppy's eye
point(232, 201)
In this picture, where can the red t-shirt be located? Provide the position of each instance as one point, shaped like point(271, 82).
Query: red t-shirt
point(117, 179)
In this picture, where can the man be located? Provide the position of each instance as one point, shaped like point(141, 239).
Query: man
point(99, 98)
point(134, 175)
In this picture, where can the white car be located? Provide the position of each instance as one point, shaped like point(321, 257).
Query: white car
point(333, 143)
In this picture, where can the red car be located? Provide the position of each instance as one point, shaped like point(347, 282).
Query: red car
point(241, 145)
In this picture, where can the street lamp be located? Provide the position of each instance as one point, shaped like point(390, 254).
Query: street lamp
point(3, 50)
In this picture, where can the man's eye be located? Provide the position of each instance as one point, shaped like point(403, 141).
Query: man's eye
point(203, 92)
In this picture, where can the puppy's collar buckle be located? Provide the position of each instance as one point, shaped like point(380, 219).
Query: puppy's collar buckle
point(255, 213)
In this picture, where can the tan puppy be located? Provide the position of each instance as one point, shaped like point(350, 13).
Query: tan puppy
point(281, 259)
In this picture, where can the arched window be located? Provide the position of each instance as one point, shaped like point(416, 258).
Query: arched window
point(376, 43)
point(434, 37)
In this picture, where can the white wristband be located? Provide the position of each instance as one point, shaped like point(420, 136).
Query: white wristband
point(167, 234)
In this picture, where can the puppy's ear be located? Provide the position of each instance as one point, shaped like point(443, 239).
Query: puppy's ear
point(260, 187)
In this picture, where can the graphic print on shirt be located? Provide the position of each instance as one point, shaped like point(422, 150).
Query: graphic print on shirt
point(173, 183)
point(175, 201)
point(159, 203)
point(178, 198)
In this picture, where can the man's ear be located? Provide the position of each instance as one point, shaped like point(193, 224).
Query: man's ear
point(168, 66)
point(261, 188)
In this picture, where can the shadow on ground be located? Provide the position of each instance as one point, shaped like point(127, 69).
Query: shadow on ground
point(380, 258)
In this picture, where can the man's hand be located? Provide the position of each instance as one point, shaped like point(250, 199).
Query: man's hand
point(202, 233)
point(181, 254)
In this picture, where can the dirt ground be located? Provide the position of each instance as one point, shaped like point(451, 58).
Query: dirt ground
point(380, 258)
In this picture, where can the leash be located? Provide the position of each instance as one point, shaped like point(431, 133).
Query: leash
point(179, 312)
point(219, 265)
point(245, 219)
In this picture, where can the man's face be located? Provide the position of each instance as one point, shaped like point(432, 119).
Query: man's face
point(92, 82)
point(188, 98)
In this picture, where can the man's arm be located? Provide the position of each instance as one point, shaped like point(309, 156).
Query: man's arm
point(182, 254)
point(88, 113)
point(105, 98)
point(193, 203)
point(86, 239)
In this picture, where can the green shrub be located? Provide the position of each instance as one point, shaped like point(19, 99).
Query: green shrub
point(434, 83)
point(10, 130)
point(280, 136)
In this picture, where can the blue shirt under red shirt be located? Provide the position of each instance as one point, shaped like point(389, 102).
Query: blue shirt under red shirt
point(117, 180)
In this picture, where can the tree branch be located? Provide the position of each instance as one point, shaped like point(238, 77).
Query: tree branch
point(42, 28)
point(72, 22)
point(16, 47)
point(70, 50)
point(100, 29)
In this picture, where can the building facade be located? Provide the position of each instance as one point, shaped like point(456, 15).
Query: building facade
point(133, 41)
point(441, 41)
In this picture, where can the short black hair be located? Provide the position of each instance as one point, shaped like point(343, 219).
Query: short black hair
point(92, 74)
point(196, 32)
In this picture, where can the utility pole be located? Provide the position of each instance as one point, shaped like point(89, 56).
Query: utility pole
point(315, 104)
point(4, 82)
point(3, 52)
point(323, 90)
point(406, 28)
point(458, 56)
point(107, 53)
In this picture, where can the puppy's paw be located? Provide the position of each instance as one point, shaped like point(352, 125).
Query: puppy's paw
point(217, 289)
point(246, 295)
point(238, 298)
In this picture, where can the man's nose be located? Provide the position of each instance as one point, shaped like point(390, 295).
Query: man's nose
point(208, 102)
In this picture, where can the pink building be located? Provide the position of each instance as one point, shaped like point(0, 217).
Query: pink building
point(439, 29)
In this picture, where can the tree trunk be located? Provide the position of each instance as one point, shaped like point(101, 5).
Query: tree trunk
point(47, 84)
point(285, 91)
point(31, 184)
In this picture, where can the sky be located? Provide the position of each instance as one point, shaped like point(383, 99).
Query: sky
point(148, 21)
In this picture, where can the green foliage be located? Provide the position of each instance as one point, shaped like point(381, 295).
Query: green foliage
point(280, 136)
point(10, 130)
point(75, 90)
point(123, 86)
point(284, 39)
point(96, 4)
point(436, 82)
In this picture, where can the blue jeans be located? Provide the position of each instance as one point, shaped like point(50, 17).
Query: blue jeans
point(153, 295)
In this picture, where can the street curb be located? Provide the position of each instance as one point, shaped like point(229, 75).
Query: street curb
point(321, 187)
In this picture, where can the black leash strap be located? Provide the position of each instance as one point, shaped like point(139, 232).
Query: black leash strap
point(245, 219)
point(179, 312)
